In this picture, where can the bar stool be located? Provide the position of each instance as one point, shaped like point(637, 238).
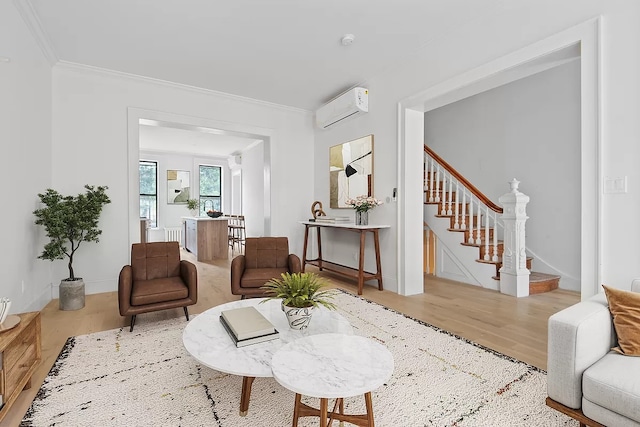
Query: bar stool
point(237, 233)
point(332, 366)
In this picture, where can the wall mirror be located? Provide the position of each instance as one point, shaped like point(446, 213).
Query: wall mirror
point(177, 187)
point(350, 171)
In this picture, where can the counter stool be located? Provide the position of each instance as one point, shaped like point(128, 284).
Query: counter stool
point(237, 233)
point(332, 366)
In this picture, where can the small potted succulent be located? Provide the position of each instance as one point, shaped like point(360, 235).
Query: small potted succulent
point(300, 294)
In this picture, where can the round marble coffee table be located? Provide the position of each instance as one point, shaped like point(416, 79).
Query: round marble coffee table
point(207, 341)
point(332, 366)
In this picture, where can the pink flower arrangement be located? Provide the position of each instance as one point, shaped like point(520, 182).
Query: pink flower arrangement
point(363, 203)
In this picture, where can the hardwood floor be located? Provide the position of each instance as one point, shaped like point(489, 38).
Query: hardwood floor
point(514, 326)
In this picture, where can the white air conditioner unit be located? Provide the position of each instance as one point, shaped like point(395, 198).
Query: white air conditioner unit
point(350, 104)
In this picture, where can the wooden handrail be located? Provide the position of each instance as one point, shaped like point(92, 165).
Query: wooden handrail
point(484, 199)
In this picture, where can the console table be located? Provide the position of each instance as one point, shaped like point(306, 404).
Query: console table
point(359, 273)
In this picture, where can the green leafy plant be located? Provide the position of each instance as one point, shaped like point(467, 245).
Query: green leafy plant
point(69, 221)
point(300, 290)
point(192, 204)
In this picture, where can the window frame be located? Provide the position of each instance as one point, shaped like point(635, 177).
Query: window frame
point(206, 197)
point(152, 223)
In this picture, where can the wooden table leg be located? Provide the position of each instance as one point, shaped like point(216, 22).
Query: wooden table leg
point(296, 410)
point(376, 242)
point(324, 404)
point(246, 395)
point(369, 404)
point(304, 249)
point(361, 263)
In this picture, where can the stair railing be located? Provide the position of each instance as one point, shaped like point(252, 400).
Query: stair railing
point(453, 192)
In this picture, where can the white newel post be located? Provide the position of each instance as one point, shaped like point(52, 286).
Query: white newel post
point(514, 276)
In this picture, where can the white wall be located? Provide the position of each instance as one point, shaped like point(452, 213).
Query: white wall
point(86, 100)
point(25, 161)
point(170, 215)
point(253, 190)
point(518, 25)
point(530, 130)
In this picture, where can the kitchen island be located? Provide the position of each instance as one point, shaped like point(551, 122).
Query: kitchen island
point(206, 238)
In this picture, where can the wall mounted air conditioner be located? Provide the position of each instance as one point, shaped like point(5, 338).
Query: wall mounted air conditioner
point(350, 104)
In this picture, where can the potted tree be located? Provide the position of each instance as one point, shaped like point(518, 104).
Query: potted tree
point(300, 294)
point(69, 221)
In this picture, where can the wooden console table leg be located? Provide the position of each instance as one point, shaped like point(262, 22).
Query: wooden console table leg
point(319, 250)
point(304, 249)
point(376, 242)
point(246, 395)
point(361, 263)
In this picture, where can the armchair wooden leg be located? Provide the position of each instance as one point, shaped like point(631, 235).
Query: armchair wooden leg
point(186, 312)
point(133, 322)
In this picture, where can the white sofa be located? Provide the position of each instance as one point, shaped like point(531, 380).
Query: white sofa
point(585, 379)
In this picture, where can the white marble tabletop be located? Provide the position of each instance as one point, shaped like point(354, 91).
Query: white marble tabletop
point(207, 341)
point(332, 365)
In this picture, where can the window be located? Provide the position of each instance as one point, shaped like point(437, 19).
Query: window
point(149, 191)
point(210, 188)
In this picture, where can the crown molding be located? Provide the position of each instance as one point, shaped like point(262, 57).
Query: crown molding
point(31, 20)
point(74, 66)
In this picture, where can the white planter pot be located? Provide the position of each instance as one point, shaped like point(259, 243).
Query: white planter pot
point(71, 294)
point(298, 318)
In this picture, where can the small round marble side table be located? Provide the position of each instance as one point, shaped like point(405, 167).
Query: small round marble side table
point(332, 366)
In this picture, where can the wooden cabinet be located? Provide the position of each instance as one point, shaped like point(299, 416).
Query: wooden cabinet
point(206, 238)
point(20, 355)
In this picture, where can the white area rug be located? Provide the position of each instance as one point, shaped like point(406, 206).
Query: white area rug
point(146, 378)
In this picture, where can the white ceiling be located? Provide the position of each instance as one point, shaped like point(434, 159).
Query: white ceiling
point(282, 51)
point(179, 139)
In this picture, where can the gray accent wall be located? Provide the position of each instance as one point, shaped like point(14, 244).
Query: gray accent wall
point(529, 130)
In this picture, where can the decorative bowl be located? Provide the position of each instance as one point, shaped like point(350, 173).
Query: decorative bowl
point(214, 214)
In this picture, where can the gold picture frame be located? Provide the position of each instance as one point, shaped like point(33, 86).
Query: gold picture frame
point(350, 171)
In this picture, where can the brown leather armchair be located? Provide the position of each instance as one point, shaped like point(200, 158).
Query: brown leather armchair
point(156, 280)
point(264, 258)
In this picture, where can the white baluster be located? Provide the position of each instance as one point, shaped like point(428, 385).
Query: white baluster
point(431, 182)
point(443, 210)
point(471, 219)
point(437, 199)
point(450, 194)
point(479, 224)
point(456, 224)
point(494, 258)
point(463, 222)
point(487, 257)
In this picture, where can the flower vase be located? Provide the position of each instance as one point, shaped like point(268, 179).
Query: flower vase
point(362, 218)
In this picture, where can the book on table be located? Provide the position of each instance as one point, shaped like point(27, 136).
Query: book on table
point(333, 219)
point(247, 322)
point(248, 341)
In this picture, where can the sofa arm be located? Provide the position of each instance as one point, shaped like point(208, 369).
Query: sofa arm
point(237, 270)
point(125, 283)
point(294, 264)
point(579, 336)
point(189, 275)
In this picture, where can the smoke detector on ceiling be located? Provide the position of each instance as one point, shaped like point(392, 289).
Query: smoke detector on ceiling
point(347, 39)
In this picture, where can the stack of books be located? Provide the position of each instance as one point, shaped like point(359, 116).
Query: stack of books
point(333, 219)
point(247, 326)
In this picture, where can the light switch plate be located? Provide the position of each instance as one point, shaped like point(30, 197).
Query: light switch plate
point(615, 185)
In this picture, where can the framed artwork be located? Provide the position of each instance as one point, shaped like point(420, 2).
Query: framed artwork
point(350, 171)
point(177, 187)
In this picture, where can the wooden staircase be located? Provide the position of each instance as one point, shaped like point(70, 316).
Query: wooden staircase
point(538, 282)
